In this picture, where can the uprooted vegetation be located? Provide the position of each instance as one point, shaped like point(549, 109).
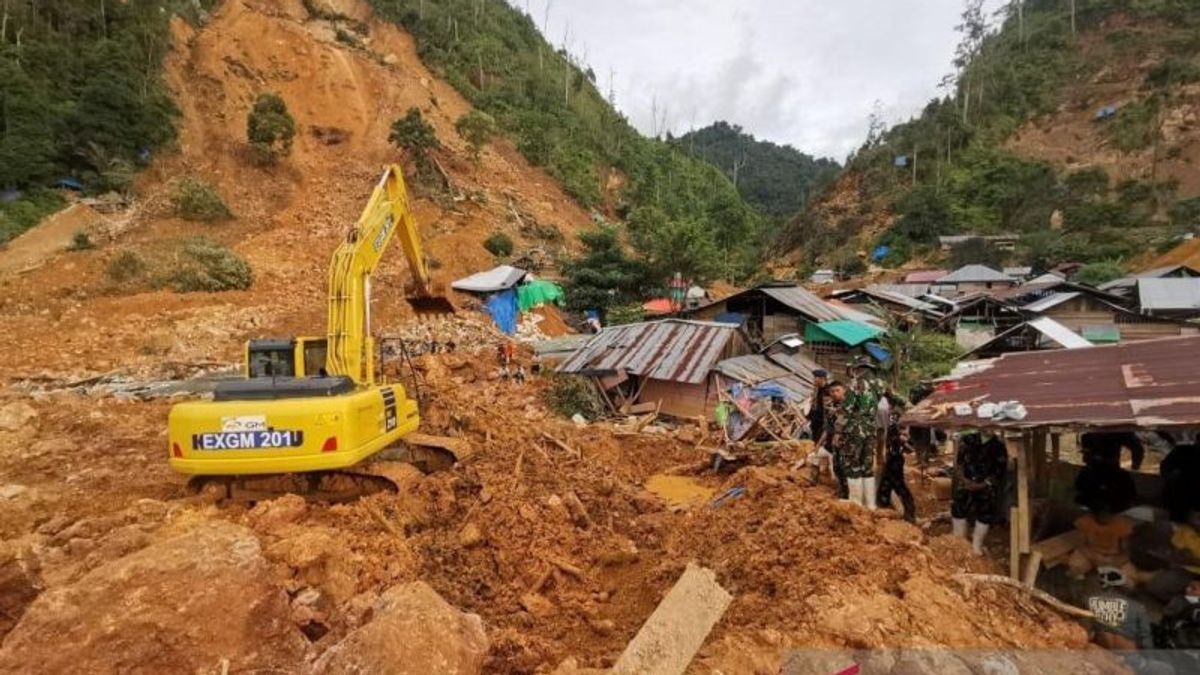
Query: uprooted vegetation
point(186, 266)
point(194, 199)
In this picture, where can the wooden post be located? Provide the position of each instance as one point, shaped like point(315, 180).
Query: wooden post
point(1019, 520)
point(1056, 447)
point(1041, 465)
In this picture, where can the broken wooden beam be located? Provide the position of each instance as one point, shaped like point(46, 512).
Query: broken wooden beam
point(675, 631)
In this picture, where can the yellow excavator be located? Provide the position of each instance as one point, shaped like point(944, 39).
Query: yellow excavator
point(310, 411)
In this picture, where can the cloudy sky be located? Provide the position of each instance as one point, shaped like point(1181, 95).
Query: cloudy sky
point(802, 72)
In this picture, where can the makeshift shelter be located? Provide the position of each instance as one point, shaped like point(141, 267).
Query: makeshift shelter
point(884, 301)
point(496, 279)
point(1170, 297)
point(663, 362)
point(1127, 286)
point(1147, 385)
point(538, 292)
point(770, 311)
point(1089, 310)
point(978, 318)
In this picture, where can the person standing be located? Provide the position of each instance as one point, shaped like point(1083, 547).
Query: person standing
point(816, 425)
point(832, 436)
point(858, 438)
point(979, 470)
point(892, 478)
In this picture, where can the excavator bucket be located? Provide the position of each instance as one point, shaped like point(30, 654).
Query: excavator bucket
point(425, 305)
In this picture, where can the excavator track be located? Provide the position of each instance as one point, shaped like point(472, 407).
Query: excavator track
point(391, 470)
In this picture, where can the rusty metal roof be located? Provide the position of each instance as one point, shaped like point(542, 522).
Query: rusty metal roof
point(793, 372)
point(1148, 384)
point(673, 350)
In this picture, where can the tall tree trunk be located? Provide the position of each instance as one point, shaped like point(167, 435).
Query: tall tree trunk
point(1072, 18)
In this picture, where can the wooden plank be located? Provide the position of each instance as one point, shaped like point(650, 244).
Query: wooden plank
point(1056, 447)
point(670, 638)
point(1040, 464)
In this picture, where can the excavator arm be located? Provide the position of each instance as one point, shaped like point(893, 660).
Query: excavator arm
point(351, 348)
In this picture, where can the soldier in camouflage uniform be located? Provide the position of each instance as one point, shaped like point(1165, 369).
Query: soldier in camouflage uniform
point(857, 436)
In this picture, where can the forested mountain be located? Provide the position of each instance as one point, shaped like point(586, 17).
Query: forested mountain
point(1072, 124)
point(682, 214)
point(81, 96)
point(775, 179)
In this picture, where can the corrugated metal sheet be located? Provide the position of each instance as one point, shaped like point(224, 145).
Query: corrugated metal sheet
point(793, 372)
point(1169, 294)
point(1054, 330)
point(1052, 300)
point(804, 302)
point(673, 350)
point(1148, 384)
point(924, 276)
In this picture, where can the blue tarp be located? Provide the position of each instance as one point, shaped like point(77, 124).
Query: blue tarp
point(503, 309)
point(880, 253)
point(730, 317)
point(878, 352)
point(901, 161)
point(69, 183)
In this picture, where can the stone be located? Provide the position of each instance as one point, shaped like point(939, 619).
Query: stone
point(181, 605)
point(17, 415)
point(412, 631)
point(470, 535)
point(537, 604)
point(20, 583)
point(12, 491)
point(272, 515)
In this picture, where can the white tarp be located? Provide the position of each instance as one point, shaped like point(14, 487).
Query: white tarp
point(1059, 333)
point(496, 279)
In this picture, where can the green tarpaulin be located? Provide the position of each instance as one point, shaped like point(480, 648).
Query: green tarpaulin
point(849, 333)
point(537, 293)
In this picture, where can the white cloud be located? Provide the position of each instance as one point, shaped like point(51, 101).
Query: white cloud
point(801, 72)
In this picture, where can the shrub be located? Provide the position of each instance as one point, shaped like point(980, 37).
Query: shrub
point(81, 241)
point(1185, 212)
point(1135, 127)
point(270, 128)
point(570, 395)
point(128, 266)
point(414, 134)
point(476, 128)
point(499, 244)
point(1098, 273)
point(204, 265)
point(975, 251)
point(196, 200)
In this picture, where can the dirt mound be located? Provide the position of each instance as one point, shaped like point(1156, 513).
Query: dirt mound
point(411, 630)
point(1186, 253)
point(50, 237)
point(186, 604)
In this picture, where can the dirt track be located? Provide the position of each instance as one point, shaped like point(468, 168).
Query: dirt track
point(86, 482)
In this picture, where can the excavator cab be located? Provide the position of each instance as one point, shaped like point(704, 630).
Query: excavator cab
point(285, 357)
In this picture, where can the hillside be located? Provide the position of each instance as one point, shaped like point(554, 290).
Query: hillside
point(80, 313)
point(775, 179)
point(1023, 146)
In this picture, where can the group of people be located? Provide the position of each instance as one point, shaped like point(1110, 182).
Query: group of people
point(510, 368)
point(856, 431)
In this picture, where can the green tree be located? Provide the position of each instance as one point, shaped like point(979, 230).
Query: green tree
point(603, 276)
point(499, 244)
point(1097, 273)
point(476, 128)
point(924, 216)
point(975, 251)
point(416, 136)
point(270, 128)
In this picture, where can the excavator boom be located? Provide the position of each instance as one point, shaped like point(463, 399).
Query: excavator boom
point(387, 214)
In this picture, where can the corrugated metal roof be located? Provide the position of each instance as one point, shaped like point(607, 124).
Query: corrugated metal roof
point(803, 301)
point(850, 333)
point(888, 295)
point(1018, 271)
point(974, 274)
point(924, 276)
point(673, 350)
point(1052, 300)
point(1147, 384)
point(793, 372)
point(1054, 330)
point(1169, 294)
